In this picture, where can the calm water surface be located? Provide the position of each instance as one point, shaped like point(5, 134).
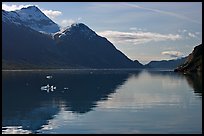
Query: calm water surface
point(105, 101)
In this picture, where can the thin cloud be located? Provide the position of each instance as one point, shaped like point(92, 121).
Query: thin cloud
point(79, 18)
point(172, 54)
point(182, 31)
point(197, 33)
point(67, 22)
point(14, 7)
point(52, 13)
point(163, 12)
point(137, 37)
point(137, 29)
point(188, 34)
point(191, 35)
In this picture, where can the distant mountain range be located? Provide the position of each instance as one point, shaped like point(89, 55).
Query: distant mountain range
point(193, 62)
point(166, 64)
point(31, 41)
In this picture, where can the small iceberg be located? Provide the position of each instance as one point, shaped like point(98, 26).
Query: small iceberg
point(48, 88)
point(53, 88)
point(45, 87)
point(91, 72)
point(15, 130)
point(48, 77)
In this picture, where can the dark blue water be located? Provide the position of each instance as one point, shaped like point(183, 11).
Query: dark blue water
point(105, 101)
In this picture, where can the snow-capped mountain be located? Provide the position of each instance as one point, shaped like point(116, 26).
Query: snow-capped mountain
point(31, 17)
point(78, 29)
point(75, 47)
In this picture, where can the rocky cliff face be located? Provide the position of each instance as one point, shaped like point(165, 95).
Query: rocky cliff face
point(193, 62)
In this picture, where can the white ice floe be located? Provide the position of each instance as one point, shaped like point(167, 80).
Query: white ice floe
point(48, 77)
point(14, 130)
point(48, 88)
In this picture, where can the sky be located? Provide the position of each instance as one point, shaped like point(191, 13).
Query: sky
point(143, 31)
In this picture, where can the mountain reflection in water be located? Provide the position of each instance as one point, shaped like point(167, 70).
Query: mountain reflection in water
point(27, 106)
point(194, 80)
point(24, 104)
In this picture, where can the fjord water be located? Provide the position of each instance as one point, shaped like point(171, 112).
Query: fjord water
point(101, 101)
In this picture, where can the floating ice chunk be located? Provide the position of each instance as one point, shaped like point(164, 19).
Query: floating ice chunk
point(48, 88)
point(45, 87)
point(48, 77)
point(52, 88)
point(14, 130)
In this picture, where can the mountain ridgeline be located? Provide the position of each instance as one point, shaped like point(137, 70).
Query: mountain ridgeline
point(30, 40)
point(166, 64)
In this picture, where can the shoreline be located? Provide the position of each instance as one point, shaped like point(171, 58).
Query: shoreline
point(91, 69)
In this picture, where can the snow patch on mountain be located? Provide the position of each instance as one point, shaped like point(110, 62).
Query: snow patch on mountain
point(76, 28)
point(31, 17)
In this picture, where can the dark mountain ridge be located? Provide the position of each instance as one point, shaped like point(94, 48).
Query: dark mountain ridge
point(76, 47)
point(193, 62)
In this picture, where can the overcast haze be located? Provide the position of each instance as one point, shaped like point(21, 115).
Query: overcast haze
point(141, 30)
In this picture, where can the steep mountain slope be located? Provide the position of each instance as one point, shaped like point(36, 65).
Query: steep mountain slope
point(193, 62)
point(31, 17)
point(90, 50)
point(23, 46)
point(138, 64)
point(76, 47)
point(166, 64)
